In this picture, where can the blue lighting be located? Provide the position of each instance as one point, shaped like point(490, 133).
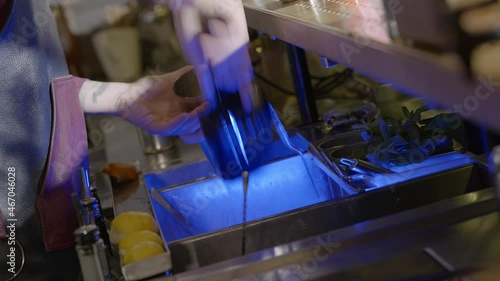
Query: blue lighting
point(215, 204)
point(211, 204)
point(435, 164)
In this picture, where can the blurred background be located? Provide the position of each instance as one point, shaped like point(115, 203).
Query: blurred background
point(124, 40)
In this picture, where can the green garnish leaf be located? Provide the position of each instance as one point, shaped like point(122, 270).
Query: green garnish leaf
point(384, 129)
point(395, 142)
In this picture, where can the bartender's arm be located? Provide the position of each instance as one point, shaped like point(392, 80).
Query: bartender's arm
point(214, 37)
point(149, 103)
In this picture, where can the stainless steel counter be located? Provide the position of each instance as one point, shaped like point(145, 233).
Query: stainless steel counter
point(115, 140)
point(119, 143)
point(453, 235)
point(364, 251)
point(354, 33)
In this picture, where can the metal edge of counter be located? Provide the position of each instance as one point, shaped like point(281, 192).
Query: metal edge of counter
point(445, 213)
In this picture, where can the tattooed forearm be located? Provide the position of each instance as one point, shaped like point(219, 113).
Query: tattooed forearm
point(101, 97)
point(100, 88)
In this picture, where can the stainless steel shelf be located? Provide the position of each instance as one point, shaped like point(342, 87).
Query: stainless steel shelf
point(354, 33)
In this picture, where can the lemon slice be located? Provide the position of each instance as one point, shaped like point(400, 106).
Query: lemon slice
point(130, 222)
point(141, 251)
point(137, 237)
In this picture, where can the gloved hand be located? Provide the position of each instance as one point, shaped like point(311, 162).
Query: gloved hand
point(149, 103)
point(152, 104)
point(479, 21)
point(214, 37)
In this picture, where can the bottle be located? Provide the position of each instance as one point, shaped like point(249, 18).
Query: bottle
point(92, 206)
point(91, 254)
point(99, 219)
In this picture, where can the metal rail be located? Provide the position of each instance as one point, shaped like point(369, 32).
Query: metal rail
point(355, 34)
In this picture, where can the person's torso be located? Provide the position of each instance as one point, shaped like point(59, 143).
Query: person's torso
point(30, 56)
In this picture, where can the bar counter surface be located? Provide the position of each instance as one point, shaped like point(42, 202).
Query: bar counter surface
point(452, 236)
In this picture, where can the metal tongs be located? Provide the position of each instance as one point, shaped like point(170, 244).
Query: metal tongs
point(177, 215)
point(363, 167)
point(357, 182)
point(283, 135)
point(364, 171)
